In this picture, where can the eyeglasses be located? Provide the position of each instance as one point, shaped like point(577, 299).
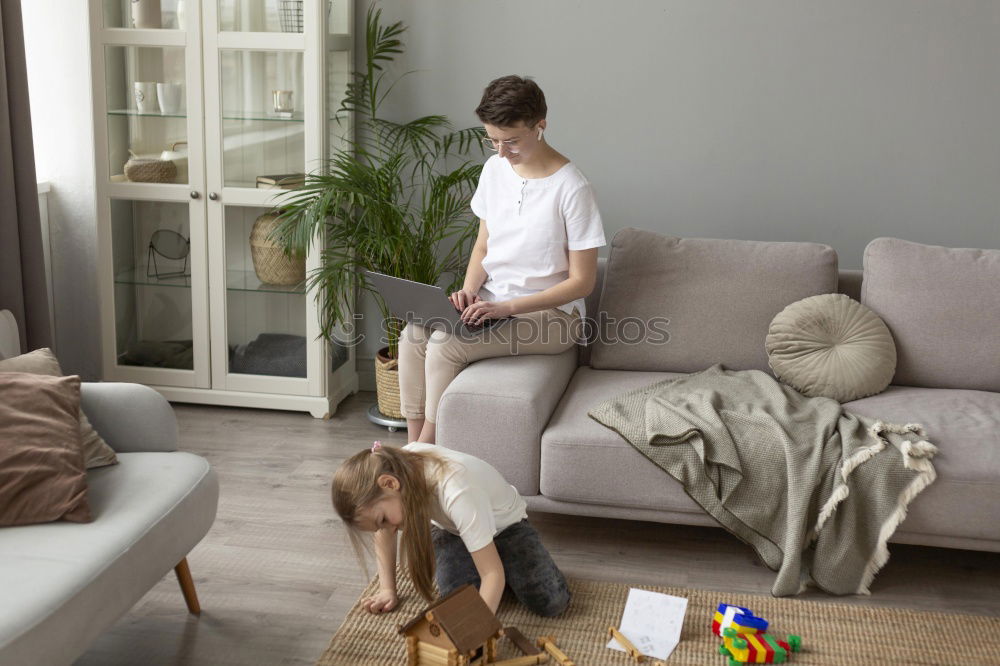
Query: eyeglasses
point(510, 145)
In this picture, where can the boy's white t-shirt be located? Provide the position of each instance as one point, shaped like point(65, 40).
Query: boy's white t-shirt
point(473, 501)
point(532, 225)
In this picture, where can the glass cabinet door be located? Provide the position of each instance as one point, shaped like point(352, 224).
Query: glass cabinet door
point(265, 306)
point(147, 114)
point(147, 76)
point(151, 246)
point(263, 15)
point(263, 119)
point(147, 14)
point(153, 302)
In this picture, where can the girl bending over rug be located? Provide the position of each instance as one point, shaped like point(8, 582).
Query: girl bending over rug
point(461, 522)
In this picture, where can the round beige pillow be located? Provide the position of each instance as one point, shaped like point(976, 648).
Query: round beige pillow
point(831, 346)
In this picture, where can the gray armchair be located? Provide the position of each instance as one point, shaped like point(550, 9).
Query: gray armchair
point(66, 583)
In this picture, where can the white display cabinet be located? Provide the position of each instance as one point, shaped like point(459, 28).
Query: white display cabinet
point(194, 103)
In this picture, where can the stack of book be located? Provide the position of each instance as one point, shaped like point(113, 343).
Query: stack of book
point(285, 181)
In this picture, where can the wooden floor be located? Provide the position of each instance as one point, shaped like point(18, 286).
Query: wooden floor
point(276, 575)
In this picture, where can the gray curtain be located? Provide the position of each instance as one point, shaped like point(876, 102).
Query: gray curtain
point(22, 266)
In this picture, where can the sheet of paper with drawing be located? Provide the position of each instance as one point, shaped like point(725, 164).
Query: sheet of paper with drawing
point(652, 621)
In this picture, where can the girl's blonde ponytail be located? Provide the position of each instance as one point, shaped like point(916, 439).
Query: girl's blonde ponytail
point(355, 487)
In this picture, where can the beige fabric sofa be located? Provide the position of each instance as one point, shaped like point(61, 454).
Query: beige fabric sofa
point(528, 415)
point(63, 584)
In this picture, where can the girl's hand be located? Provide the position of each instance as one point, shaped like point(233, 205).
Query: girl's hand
point(463, 298)
point(383, 602)
point(482, 310)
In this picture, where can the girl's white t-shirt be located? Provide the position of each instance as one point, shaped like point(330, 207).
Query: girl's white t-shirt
point(473, 501)
point(532, 225)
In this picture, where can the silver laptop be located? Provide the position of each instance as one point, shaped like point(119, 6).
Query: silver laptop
point(423, 304)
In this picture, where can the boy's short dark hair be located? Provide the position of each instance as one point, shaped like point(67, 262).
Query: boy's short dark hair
point(510, 100)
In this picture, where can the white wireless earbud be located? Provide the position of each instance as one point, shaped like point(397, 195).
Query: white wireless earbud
point(540, 133)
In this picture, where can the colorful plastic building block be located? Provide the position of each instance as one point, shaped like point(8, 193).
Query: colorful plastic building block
point(741, 619)
point(757, 648)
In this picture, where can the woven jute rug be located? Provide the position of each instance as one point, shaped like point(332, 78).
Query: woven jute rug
point(832, 633)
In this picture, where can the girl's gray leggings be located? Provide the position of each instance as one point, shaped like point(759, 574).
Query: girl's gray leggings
point(530, 572)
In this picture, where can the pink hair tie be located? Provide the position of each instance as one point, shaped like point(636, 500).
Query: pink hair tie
point(376, 446)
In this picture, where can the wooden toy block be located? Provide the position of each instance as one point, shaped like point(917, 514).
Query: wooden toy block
point(521, 641)
point(527, 660)
point(548, 643)
point(627, 644)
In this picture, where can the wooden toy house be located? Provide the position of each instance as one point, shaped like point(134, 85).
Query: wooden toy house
point(458, 630)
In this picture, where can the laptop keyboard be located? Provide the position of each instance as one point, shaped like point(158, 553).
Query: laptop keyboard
point(482, 326)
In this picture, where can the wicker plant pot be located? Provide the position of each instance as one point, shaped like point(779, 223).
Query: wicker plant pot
point(270, 262)
point(387, 383)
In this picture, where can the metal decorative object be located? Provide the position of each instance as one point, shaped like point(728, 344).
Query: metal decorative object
point(290, 14)
point(169, 245)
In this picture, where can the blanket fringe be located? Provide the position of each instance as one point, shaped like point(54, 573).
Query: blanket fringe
point(851, 464)
point(916, 457)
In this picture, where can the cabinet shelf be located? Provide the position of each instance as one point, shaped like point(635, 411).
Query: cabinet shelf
point(297, 117)
point(145, 114)
point(137, 276)
point(245, 281)
point(248, 281)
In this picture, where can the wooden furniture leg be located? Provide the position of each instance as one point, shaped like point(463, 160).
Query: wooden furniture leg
point(187, 587)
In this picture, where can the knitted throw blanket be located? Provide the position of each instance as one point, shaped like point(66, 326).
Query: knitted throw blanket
point(816, 491)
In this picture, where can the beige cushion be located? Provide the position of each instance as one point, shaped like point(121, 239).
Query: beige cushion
point(42, 477)
point(831, 346)
point(96, 452)
point(942, 305)
point(718, 295)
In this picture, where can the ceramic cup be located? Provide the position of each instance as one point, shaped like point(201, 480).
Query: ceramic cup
point(145, 95)
point(146, 14)
point(283, 101)
point(169, 95)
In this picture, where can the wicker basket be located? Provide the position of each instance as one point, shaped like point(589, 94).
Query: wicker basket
point(270, 262)
point(387, 383)
point(150, 170)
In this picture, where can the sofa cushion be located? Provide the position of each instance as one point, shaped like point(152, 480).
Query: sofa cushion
point(42, 477)
point(583, 461)
point(718, 295)
point(96, 452)
point(943, 308)
point(831, 346)
point(149, 511)
point(964, 501)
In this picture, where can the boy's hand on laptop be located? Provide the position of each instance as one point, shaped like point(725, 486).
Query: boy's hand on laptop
point(480, 311)
point(463, 298)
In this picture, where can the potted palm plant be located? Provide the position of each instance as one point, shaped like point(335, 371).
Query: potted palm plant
point(394, 201)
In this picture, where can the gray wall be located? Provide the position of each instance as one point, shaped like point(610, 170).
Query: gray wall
point(774, 120)
point(790, 120)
